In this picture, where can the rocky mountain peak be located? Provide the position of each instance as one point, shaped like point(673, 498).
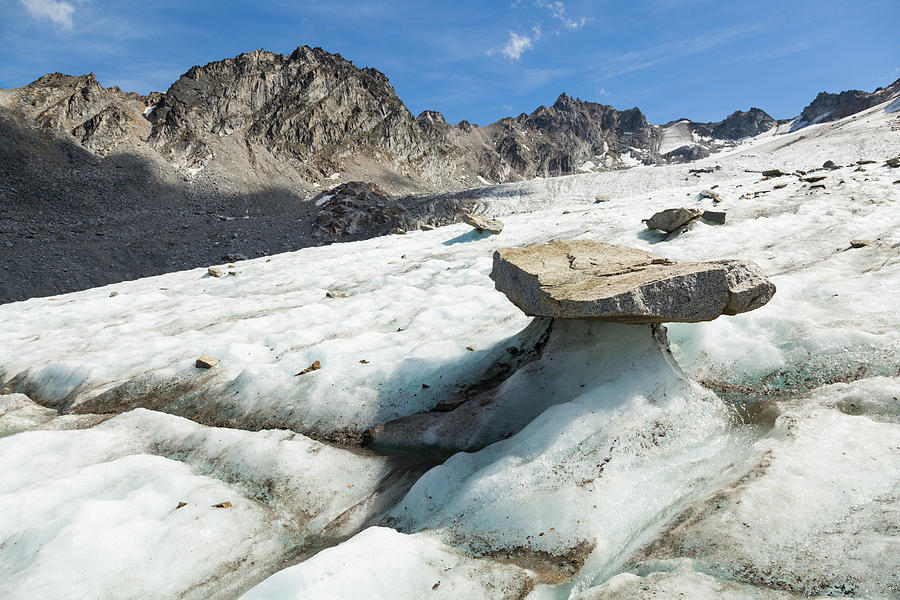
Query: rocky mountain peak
point(831, 107)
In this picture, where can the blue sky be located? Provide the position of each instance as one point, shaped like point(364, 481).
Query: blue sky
point(482, 61)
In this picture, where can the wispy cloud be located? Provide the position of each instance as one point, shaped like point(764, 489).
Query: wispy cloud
point(670, 51)
point(60, 13)
point(601, 91)
point(558, 12)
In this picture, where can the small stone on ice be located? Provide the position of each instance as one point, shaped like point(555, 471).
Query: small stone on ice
point(205, 361)
point(714, 216)
point(313, 367)
point(225, 504)
point(483, 223)
point(860, 243)
point(181, 505)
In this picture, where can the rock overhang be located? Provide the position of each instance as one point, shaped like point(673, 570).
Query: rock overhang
point(583, 279)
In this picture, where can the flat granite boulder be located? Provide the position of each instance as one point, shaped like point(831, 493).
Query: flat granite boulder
point(483, 223)
point(583, 279)
point(672, 218)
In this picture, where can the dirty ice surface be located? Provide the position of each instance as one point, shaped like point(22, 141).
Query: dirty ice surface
point(779, 477)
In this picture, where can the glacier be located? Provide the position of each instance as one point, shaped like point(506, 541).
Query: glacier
point(754, 456)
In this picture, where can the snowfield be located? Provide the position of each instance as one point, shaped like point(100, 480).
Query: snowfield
point(763, 464)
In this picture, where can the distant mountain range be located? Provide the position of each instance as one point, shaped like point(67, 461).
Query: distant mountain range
point(99, 185)
point(313, 118)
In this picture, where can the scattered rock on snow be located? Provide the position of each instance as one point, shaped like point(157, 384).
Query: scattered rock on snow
point(225, 504)
point(584, 279)
point(483, 223)
point(217, 271)
point(893, 162)
point(426, 227)
point(814, 178)
point(670, 219)
point(713, 216)
point(356, 210)
point(774, 173)
point(330, 294)
point(5, 391)
point(313, 367)
point(860, 243)
point(711, 195)
point(829, 164)
point(205, 361)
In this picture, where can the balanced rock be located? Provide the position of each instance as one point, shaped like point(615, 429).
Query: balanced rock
point(483, 223)
point(583, 279)
point(672, 218)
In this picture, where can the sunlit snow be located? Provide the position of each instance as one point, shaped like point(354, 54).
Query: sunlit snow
point(619, 474)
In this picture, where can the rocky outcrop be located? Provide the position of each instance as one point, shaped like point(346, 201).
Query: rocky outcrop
point(828, 107)
point(356, 210)
point(738, 125)
point(592, 280)
point(312, 116)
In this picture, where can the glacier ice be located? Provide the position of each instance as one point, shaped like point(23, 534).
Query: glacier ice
point(781, 485)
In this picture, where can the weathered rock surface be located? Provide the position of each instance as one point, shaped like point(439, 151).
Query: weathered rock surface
point(584, 279)
point(713, 216)
point(738, 125)
point(831, 107)
point(356, 210)
point(205, 361)
point(483, 223)
point(670, 219)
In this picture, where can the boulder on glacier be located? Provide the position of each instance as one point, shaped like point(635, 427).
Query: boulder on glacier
point(670, 219)
point(583, 279)
point(483, 223)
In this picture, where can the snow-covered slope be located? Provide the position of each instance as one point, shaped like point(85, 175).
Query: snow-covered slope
point(642, 479)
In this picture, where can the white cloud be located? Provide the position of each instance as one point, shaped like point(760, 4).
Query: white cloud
point(558, 11)
point(517, 44)
point(57, 11)
point(601, 91)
